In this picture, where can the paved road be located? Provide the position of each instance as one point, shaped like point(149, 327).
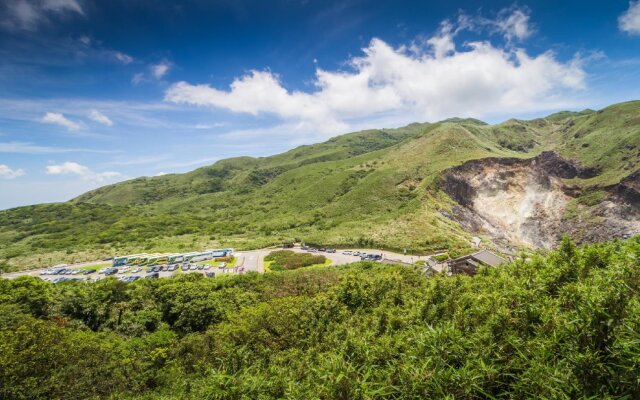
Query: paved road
point(247, 261)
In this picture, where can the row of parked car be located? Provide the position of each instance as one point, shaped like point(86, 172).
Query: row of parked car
point(318, 250)
point(67, 271)
point(363, 256)
point(152, 271)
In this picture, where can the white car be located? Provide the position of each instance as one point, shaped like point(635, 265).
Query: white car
point(136, 270)
point(207, 266)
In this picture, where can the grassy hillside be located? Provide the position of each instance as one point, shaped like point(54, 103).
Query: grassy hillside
point(562, 327)
point(376, 188)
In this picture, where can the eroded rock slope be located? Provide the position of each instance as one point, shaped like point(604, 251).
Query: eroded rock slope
point(528, 202)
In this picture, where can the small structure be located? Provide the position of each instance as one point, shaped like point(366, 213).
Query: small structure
point(470, 263)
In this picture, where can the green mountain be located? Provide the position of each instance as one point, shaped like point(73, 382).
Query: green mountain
point(416, 187)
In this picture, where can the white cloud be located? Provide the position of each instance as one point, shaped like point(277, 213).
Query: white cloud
point(160, 174)
point(430, 80)
point(513, 24)
point(8, 173)
point(30, 148)
point(29, 14)
point(60, 119)
point(160, 69)
point(73, 168)
point(137, 78)
point(100, 118)
point(630, 21)
point(62, 5)
point(123, 58)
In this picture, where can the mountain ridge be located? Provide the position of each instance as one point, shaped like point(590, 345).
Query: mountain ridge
point(376, 188)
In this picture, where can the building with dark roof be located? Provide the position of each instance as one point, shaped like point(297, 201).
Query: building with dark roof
point(470, 263)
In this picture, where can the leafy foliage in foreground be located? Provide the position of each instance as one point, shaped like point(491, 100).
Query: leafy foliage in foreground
point(565, 326)
point(287, 259)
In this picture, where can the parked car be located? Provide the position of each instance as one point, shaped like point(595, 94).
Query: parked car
point(185, 267)
point(136, 270)
point(331, 250)
point(222, 265)
point(153, 275)
point(207, 266)
point(210, 274)
point(110, 271)
point(88, 271)
point(172, 267)
point(200, 267)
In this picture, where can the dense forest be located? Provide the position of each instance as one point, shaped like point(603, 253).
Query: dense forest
point(562, 326)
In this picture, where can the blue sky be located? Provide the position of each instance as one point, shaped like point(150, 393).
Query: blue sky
point(94, 92)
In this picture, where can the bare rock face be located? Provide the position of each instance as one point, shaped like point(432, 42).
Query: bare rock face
point(525, 201)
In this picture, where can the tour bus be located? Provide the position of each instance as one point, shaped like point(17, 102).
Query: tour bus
point(216, 253)
point(119, 261)
point(155, 259)
point(137, 259)
point(189, 256)
point(175, 258)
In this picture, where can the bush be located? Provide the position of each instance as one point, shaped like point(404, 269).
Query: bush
point(565, 326)
point(287, 260)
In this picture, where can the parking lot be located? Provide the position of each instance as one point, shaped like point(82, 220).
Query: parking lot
point(245, 261)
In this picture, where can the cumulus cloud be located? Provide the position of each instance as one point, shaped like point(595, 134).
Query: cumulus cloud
point(8, 173)
point(629, 22)
point(100, 118)
point(73, 168)
point(160, 69)
point(432, 79)
point(29, 14)
point(60, 119)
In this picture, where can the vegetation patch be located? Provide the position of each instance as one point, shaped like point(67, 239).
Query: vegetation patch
point(564, 326)
point(287, 260)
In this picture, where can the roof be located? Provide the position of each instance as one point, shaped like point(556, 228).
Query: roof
point(488, 257)
point(472, 262)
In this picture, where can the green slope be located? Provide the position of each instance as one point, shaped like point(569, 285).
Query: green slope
point(377, 188)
